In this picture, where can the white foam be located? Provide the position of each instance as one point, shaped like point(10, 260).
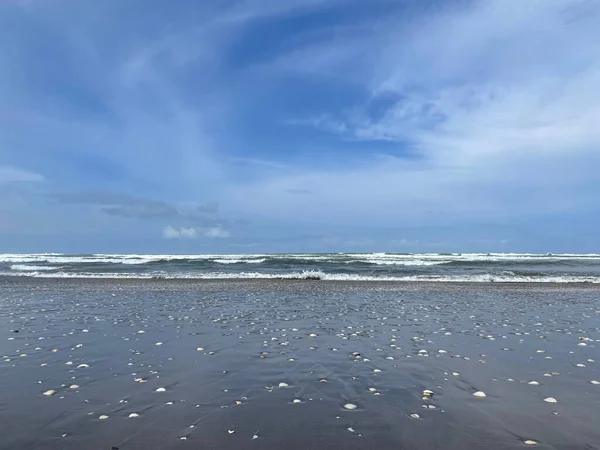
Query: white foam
point(312, 274)
point(374, 258)
point(70, 259)
point(57, 258)
point(383, 262)
point(27, 268)
point(239, 261)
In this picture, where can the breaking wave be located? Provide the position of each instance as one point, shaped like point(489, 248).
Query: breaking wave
point(313, 275)
point(431, 267)
point(27, 268)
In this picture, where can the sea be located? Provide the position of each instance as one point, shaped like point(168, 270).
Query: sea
point(430, 267)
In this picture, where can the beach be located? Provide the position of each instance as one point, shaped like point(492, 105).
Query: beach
point(297, 364)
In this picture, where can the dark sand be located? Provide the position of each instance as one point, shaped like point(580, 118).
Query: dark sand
point(494, 335)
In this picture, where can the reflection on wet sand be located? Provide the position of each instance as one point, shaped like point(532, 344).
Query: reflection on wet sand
point(132, 364)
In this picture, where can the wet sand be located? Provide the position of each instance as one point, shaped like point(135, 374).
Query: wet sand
point(218, 353)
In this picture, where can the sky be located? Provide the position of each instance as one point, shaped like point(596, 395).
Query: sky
point(249, 126)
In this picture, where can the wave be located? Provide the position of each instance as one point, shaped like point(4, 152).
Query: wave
point(314, 275)
point(70, 259)
point(400, 259)
point(414, 262)
point(55, 258)
point(26, 268)
point(240, 261)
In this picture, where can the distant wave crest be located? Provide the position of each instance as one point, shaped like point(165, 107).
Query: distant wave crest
point(28, 268)
point(240, 261)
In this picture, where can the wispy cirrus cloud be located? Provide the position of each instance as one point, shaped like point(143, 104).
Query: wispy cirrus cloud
point(299, 117)
point(134, 207)
point(477, 103)
point(15, 175)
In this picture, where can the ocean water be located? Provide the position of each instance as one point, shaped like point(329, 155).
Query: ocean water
point(455, 267)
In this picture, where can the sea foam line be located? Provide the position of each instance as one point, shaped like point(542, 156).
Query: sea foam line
point(30, 268)
point(314, 275)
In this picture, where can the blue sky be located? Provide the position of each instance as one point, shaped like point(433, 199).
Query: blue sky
point(300, 125)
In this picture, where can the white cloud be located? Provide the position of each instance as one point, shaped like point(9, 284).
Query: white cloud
point(494, 79)
point(169, 232)
point(14, 175)
point(179, 233)
point(494, 103)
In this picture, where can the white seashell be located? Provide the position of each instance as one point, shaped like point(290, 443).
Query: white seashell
point(283, 385)
point(534, 383)
point(74, 386)
point(133, 415)
point(550, 400)
point(231, 431)
point(480, 394)
point(415, 416)
point(103, 417)
point(161, 389)
point(83, 366)
point(49, 393)
point(595, 382)
point(297, 400)
point(529, 442)
point(350, 406)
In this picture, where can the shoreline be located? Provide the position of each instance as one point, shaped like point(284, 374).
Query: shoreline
point(291, 282)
